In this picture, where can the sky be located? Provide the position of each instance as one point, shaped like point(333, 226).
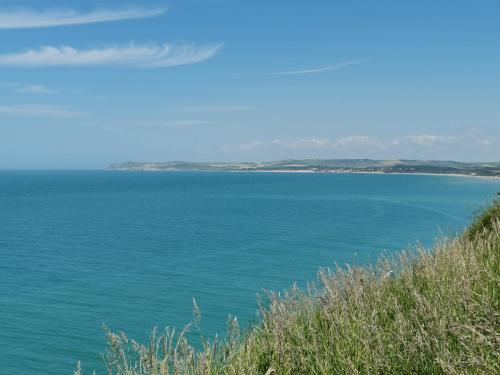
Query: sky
point(84, 84)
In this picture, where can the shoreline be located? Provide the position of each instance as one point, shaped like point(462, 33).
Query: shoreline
point(306, 171)
point(436, 174)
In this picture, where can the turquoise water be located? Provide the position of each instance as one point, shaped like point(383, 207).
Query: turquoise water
point(78, 249)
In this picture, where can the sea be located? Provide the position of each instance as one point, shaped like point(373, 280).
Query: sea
point(79, 249)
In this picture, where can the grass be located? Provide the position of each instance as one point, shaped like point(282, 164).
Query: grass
point(419, 312)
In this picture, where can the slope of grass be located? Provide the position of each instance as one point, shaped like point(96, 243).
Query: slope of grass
point(420, 312)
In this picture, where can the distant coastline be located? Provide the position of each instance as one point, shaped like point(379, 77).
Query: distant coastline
point(497, 177)
point(330, 166)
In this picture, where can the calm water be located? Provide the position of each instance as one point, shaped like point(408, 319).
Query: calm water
point(78, 249)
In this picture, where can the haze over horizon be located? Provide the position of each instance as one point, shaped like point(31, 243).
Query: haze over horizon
point(84, 84)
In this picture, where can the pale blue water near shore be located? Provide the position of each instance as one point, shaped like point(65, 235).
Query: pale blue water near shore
point(78, 249)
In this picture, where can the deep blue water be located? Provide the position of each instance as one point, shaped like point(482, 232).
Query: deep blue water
point(78, 249)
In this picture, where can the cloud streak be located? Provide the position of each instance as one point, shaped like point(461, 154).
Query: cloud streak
point(198, 109)
point(319, 70)
point(340, 143)
point(30, 18)
point(172, 124)
point(36, 110)
point(35, 89)
point(361, 143)
point(433, 140)
point(28, 88)
point(150, 125)
point(140, 56)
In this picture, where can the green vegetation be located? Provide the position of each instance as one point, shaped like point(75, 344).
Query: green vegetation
point(325, 166)
point(420, 312)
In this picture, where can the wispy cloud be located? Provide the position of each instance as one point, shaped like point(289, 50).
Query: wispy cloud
point(142, 56)
point(35, 89)
point(438, 141)
point(358, 141)
point(362, 143)
point(320, 69)
point(340, 143)
point(28, 88)
point(432, 140)
point(197, 109)
point(131, 125)
point(245, 147)
point(171, 124)
point(36, 110)
point(30, 18)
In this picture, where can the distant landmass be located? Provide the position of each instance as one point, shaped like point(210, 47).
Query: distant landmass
point(323, 166)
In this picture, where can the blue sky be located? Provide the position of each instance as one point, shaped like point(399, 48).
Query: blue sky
point(87, 83)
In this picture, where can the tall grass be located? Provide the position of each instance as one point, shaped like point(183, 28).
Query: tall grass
point(420, 312)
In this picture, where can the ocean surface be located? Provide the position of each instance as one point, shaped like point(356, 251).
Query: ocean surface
point(131, 249)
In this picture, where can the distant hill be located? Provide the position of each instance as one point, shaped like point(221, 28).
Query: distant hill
point(322, 166)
